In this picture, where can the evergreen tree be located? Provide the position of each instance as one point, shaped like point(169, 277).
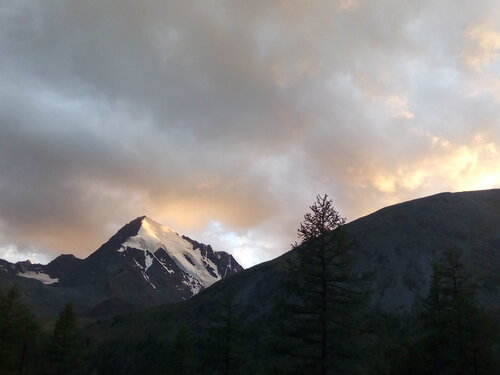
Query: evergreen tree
point(18, 334)
point(181, 358)
point(318, 317)
point(65, 351)
point(459, 336)
point(225, 348)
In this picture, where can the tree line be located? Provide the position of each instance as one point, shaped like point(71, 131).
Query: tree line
point(321, 324)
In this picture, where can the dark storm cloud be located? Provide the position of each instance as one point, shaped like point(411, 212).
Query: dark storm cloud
point(225, 118)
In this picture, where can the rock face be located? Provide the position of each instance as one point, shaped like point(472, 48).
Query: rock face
point(143, 264)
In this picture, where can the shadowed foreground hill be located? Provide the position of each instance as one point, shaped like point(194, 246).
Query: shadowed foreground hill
point(401, 242)
point(398, 245)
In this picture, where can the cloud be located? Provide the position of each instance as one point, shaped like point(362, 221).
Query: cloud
point(14, 254)
point(236, 113)
point(348, 4)
point(485, 46)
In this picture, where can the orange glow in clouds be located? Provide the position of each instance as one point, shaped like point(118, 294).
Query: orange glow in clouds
point(473, 166)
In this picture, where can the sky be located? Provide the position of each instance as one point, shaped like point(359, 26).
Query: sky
point(224, 118)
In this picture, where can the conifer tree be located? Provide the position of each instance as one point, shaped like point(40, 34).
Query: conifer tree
point(225, 347)
point(18, 333)
point(65, 351)
point(318, 316)
point(181, 358)
point(459, 336)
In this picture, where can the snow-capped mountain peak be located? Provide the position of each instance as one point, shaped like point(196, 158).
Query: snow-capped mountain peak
point(155, 229)
point(157, 247)
point(142, 264)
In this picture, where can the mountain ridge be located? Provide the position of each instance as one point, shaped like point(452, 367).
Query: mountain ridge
point(144, 263)
point(400, 242)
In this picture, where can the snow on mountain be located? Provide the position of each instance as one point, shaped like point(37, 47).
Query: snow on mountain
point(28, 270)
point(40, 276)
point(156, 240)
point(143, 264)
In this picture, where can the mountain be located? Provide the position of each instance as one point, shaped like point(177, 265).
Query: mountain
point(397, 245)
point(143, 264)
point(400, 243)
